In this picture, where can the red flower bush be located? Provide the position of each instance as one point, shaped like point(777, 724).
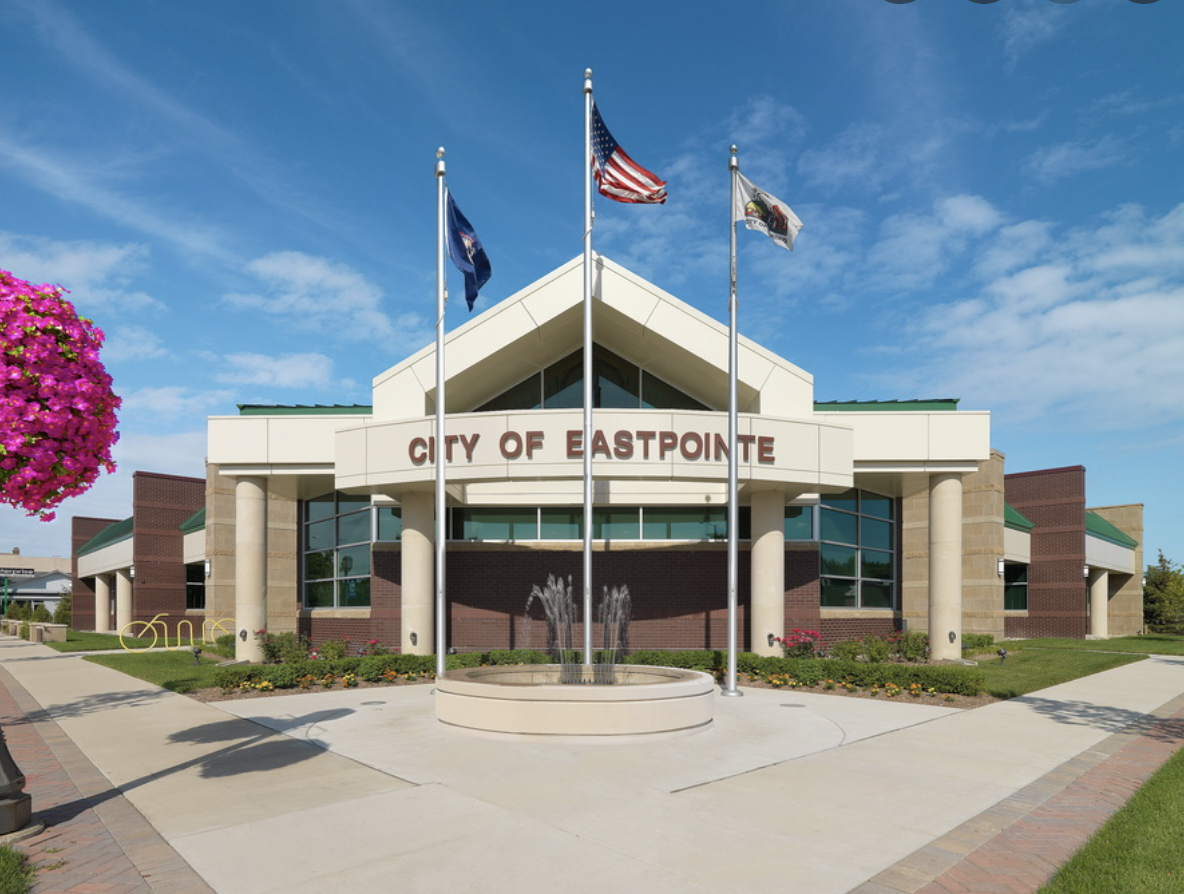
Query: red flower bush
point(57, 409)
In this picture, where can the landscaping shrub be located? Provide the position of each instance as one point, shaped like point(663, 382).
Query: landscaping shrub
point(282, 648)
point(950, 679)
point(62, 614)
point(973, 643)
point(876, 649)
point(913, 646)
point(846, 650)
point(40, 615)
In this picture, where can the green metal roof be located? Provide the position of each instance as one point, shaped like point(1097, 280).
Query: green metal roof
point(195, 522)
point(305, 410)
point(939, 404)
point(1014, 520)
point(114, 533)
point(1096, 526)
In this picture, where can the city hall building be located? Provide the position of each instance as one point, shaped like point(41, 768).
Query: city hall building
point(856, 518)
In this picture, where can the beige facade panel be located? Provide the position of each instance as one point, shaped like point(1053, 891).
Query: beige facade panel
point(1110, 556)
point(103, 561)
point(910, 436)
point(303, 442)
point(193, 547)
point(1017, 546)
point(627, 444)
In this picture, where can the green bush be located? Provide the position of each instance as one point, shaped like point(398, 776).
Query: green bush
point(282, 648)
point(691, 659)
point(952, 679)
point(40, 615)
point(846, 650)
point(62, 614)
point(24, 629)
point(977, 642)
point(333, 649)
point(913, 646)
point(876, 649)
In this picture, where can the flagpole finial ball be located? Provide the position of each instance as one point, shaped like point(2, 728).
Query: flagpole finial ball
point(587, 73)
point(440, 152)
point(733, 150)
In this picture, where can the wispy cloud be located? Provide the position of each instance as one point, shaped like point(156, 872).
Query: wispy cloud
point(309, 293)
point(97, 274)
point(287, 371)
point(1062, 160)
point(1027, 25)
point(132, 343)
point(1087, 330)
point(74, 180)
point(170, 402)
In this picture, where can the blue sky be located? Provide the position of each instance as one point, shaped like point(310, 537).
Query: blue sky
point(242, 196)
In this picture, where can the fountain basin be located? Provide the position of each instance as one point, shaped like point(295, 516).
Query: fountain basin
point(529, 701)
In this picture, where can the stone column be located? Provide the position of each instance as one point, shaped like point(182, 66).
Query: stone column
point(1099, 603)
point(123, 599)
point(945, 566)
point(767, 585)
point(102, 604)
point(250, 567)
point(419, 574)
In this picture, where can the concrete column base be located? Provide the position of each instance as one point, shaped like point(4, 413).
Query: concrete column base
point(15, 813)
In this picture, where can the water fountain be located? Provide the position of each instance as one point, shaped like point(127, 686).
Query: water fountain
point(577, 700)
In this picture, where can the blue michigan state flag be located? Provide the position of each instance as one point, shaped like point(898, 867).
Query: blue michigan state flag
point(466, 252)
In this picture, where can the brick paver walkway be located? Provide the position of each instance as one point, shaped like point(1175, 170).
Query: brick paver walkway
point(1017, 845)
point(95, 841)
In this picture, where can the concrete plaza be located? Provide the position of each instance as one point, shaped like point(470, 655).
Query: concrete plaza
point(363, 790)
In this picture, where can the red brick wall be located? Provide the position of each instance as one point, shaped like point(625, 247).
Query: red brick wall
point(82, 591)
point(1054, 501)
point(160, 503)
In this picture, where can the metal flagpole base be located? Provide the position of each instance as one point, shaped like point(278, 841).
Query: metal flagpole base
point(732, 693)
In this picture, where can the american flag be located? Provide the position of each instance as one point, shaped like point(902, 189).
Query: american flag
point(618, 176)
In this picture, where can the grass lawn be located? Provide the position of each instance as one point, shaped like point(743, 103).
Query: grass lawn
point(16, 875)
point(1139, 847)
point(81, 641)
point(170, 670)
point(1027, 670)
point(1151, 644)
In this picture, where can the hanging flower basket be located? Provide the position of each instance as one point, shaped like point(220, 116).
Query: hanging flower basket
point(57, 409)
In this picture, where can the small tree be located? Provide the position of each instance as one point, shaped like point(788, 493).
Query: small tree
point(1163, 597)
point(61, 614)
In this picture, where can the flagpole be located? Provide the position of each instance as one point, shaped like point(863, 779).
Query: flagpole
point(441, 301)
point(588, 214)
point(733, 460)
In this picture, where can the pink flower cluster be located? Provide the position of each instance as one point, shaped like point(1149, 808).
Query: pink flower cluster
point(57, 409)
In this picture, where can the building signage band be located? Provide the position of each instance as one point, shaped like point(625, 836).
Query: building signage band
point(623, 444)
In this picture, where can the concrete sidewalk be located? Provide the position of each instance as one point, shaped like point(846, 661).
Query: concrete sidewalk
point(363, 789)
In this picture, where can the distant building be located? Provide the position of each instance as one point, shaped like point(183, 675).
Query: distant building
point(856, 517)
point(33, 580)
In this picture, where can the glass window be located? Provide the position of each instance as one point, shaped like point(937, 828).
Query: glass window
point(857, 551)
point(875, 533)
point(838, 593)
point(390, 523)
point(336, 559)
point(839, 559)
point(1015, 587)
point(617, 524)
point(618, 383)
point(799, 523)
point(526, 395)
point(685, 523)
point(195, 586)
point(561, 524)
point(496, 524)
point(839, 527)
point(658, 395)
point(353, 528)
